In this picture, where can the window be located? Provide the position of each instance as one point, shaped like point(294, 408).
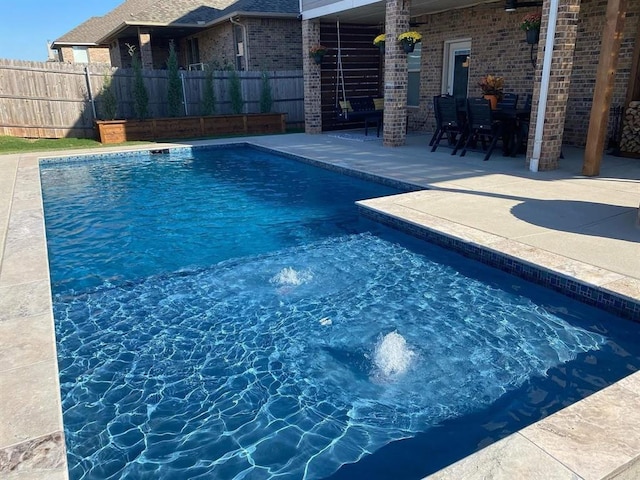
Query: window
point(193, 51)
point(80, 55)
point(413, 70)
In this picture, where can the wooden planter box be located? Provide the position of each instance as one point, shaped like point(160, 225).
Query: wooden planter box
point(118, 131)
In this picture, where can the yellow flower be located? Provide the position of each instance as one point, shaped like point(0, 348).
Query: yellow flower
point(412, 37)
point(379, 39)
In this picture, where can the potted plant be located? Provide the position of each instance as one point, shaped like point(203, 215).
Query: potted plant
point(531, 26)
point(379, 41)
point(317, 52)
point(492, 87)
point(409, 40)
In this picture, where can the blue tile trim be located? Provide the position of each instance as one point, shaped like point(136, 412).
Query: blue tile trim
point(591, 295)
point(389, 182)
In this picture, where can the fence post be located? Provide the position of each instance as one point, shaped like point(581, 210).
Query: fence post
point(93, 104)
point(184, 96)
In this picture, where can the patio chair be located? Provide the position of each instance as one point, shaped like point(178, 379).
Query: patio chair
point(448, 123)
point(482, 127)
point(509, 101)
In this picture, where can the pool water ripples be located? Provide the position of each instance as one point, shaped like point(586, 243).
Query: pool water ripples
point(226, 314)
point(235, 376)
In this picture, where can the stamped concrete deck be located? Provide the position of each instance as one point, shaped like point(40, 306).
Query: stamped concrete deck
point(577, 226)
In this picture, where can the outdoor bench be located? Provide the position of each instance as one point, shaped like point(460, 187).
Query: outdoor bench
point(369, 109)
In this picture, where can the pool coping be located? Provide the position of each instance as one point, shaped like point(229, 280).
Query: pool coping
point(592, 438)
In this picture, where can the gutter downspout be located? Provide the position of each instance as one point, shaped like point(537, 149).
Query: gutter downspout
point(544, 85)
point(245, 45)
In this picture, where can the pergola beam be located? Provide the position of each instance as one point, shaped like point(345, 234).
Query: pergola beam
point(607, 65)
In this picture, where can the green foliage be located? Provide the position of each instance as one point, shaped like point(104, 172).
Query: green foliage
point(20, 145)
point(266, 99)
point(139, 93)
point(209, 94)
point(174, 90)
point(235, 90)
point(109, 100)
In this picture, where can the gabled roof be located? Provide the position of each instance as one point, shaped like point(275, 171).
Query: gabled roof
point(188, 13)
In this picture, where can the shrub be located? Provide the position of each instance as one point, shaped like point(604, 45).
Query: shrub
point(235, 90)
point(174, 89)
point(109, 99)
point(139, 93)
point(266, 99)
point(209, 94)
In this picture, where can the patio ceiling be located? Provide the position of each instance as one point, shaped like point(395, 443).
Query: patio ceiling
point(374, 13)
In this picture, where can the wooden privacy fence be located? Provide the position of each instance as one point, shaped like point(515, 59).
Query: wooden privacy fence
point(55, 100)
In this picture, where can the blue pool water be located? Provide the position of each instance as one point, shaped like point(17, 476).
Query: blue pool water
point(226, 314)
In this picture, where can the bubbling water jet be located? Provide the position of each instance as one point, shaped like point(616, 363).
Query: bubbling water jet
point(291, 277)
point(392, 356)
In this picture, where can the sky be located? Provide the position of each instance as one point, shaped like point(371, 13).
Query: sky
point(26, 25)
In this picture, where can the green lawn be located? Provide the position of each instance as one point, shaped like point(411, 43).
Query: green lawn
point(24, 145)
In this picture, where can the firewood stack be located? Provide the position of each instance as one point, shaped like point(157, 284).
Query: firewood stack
point(630, 141)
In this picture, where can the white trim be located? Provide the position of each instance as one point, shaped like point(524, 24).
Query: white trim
point(336, 7)
point(447, 72)
point(534, 161)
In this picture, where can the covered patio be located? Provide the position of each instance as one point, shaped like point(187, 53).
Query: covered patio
point(572, 90)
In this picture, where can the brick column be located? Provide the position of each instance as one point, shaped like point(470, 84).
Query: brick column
point(559, 81)
point(395, 74)
point(145, 49)
point(311, 72)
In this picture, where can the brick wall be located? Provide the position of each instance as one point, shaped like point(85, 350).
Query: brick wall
point(274, 44)
point(95, 54)
point(590, 25)
point(498, 46)
point(312, 78)
point(217, 45)
point(395, 74)
point(99, 55)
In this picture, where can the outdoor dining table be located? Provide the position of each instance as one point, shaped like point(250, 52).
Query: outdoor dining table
point(512, 119)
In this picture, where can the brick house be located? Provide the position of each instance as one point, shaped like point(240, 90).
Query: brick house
point(463, 40)
point(245, 34)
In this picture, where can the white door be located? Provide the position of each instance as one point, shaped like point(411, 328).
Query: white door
point(455, 67)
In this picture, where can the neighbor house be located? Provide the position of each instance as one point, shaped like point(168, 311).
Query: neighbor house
point(591, 65)
point(243, 34)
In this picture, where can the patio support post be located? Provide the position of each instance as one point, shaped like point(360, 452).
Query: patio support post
point(311, 73)
point(144, 38)
point(607, 65)
point(395, 74)
point(544, 148)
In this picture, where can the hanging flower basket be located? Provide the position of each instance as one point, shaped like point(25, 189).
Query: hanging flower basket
point(533, 36)
point(531, 26)
point(379, 42)
point(408, 40)
point(317, 52)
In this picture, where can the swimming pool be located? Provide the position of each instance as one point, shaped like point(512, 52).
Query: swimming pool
point(325, 345)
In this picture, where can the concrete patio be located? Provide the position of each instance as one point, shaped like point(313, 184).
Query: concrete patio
point(582, 228)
